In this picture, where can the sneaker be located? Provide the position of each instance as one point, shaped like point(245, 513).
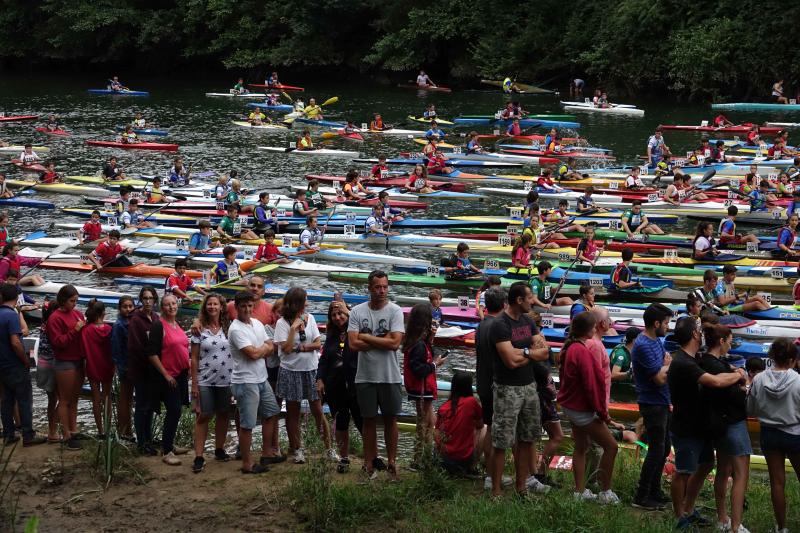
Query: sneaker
point(724, 526)
point(33, 441)
point(534, 485)
point(171, 460)
point(683, 524)
point(378, 464)
point(180, 450)
point(332, 456)
point(148, 449)
point(344, 465)
point(11, 440)
point(782, 530)
point(585, 496)
point(547, 480)
point(221, 455)
point(72, 445)
point(696, 519)
point(505, 481)
point(741, 529)
point(299, 456)
point(661, 498)
point(198, 464)
point(271, 460)
point(648, 504)
point(607, 497)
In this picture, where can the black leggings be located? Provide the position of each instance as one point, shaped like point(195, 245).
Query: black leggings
point(340, 396)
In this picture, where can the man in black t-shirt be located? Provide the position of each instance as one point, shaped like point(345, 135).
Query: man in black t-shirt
point(516, 417)
point(694, 453)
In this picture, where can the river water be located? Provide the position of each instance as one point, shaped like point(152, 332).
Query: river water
point(203, 129)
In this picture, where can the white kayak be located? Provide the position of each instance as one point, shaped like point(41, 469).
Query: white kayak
point(392, 131)
point(18, 149)
point(273, 127)
point(331, 191)
point(491, 156)
point(627, 111)
point(298, 266)
point(315, 152)
point(232, 95)
point(343, 254)
point(52, 288)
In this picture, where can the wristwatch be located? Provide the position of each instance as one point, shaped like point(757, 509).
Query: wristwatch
point(526, 352)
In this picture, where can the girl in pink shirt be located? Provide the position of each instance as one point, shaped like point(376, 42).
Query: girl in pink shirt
point(521, 253)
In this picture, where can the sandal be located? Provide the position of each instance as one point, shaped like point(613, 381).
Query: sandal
point(257, 469)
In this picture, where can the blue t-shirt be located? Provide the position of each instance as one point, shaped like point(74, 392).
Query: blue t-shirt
point(647, 358)
point(727, 226)
point(576, 309)
point(9, 325)
point(439, 134)
point(198, 241)
point(436, 314)
point(758, 201)
point(585, 201)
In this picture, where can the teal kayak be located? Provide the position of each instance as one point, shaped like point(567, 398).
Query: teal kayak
point(756, 106)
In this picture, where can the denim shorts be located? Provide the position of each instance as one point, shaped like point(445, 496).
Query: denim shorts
point(736, 441)
point(214, 399)
point(254, 400)
point(62, 365)
point(775, 440)
point(691, 452)
point(579, 418)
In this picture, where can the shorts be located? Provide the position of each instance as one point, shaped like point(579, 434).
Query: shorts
point(46, 378)
point(487, 404)
point(386, 396)
point(214, 399)
point(776, 440)
point(730, 239)
point(516, 415)
point(691, 452)
point(579, 418)
point(121, 363)
point(254, 400)
point(295, 386)
point(548, 410)
point(272, 375)
point(735, 442)
point(61, 365)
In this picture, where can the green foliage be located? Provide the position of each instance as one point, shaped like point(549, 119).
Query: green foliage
point(638, 46)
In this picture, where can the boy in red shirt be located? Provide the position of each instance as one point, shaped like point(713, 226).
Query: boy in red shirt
point(268, 252)
point(378, 170)
point(179, 284)
point(110, 253)
point(92, 230)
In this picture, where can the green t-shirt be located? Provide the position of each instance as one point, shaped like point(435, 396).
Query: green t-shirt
point(232, 198)
point(226, 224)
point(541, 289)
point(621, 357)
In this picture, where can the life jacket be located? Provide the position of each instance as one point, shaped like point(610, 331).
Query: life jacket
point(414, 385)
point(621, 273)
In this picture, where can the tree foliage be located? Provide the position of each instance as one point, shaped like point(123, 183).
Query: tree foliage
point(697, 50)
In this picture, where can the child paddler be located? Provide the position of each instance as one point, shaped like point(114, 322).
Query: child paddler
point(732, 300)
point(621, 277)
point(541, 289)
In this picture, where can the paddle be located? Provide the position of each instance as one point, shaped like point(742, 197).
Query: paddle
point(56, 250)
point(128, 231)
point(145, 243)
point(325, 227)
point(561, 283)
point(707, 176)
point(329, 101)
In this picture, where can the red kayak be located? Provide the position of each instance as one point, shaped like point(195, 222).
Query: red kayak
point(53, 132)
point(13, 118)
point(741, 128)
point(35, 167)
point(437, 88)
point(135, 146)
point(576, 155)
point(280, 87)
point(367, 202)
point(399, 181)
point(355, 136)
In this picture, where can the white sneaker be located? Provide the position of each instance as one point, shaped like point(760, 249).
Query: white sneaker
point(506, 481)
point(299, 456)
point(332, 455)
point(784, 530)
point(585, 496)
point(726, 526)
point(536, 486)
point(742, 529)
point(607, 497)
point(171, 460)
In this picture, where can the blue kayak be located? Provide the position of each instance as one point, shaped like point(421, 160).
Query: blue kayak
point(280, 107)
point(118, 93)
point(524, 123)
point(27, 202)
point(325, 123)
point(146, 131)
point(161, 252)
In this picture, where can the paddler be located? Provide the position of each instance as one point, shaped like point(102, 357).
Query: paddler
point(350, 128)
point(657, 150)
point(596, 98)
point(718, 153)
point(178, 173)
point(787, 239)
point(564, 222)
point(513, 129)
point(5, 192)
point(602, 101)
point(225, 269)
point(377, 123)
point(551, 142)
point(12, 261)
point(49, 175)
point(153, 192)
point(265, 216)
point(708, 293)
point(429, 150)
point(434, 132)
point(353, 189)
point(268, 252)
point(777, 93)
point(92, 229)
point(783, 135)
point(545, 181)
point(133, 217)
point(272, 100)
point(754, 136)
point(634, 221)
point(230, 227)
point(732, 300)
point(521, 252)
point(310, 235)
point(541, 289)
point(438, 164)
point(462, 266)
point(784, 187)
point(116, 85)
point(621, 276)
point(721, 121)
point(299, 106)
point(28, 156)
point(179, 284)
point(300, 207)
point(727, 230)
point(567, 172)
point(392, 214)
point(221, 188)
point(509, 86)
point(138, 121)
point(703, 246)
point(202, 241)
point(128, 136)
point(705, 148)
point(777, 150)
point(634, 182)
point(620, 356)
point(124, 198)
point(379, 170)
point(474, 145)
point(112, 171)
point(110, 253)
point(509, 112)
point(533, 225)
point(794, 205)
point(313, 111)
point(587, 251)
point(234, 197)
point(376, 223)
point(423, 80)
point(585, 301)
point(52, 123)
point(418, 180)
point(761, 198)
point(314, 197)
point(305, 142)
point(239, 88)
point(272, 80)
point(586, 202)
point(256, 117)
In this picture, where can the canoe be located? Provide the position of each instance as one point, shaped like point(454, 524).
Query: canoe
point(315, 152)
point(280, 86)
point(627, 111)
point(140, 269)
point(59, 188)
point(232, 95)
point(434, 88)
point(58, 132)
point(146, 131)
point(17, 118)
point(423, 120)
point(756, 106)
point(284, 108)
point(135, 146)
point(742, 128)
point(524, 122)
point(118, 93)
point(17, 149)
point(246, 124)
point(34, 167)
point(524, 87)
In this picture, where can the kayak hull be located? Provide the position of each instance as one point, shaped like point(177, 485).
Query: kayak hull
point(117, 93)
point(135, 146)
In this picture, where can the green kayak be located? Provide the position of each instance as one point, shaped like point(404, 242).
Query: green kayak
point(607, 268)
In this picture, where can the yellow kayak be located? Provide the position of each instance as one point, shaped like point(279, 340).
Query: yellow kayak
point(439, 145)
point(60, 188)
point(423, 120)
point(98, 180)
point(742, 282)
point(745, 261)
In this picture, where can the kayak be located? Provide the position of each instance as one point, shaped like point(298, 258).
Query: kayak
point(51, 289)
point(280, 86)
point(18, 149)
point(320, 122)
point(16, 118)
point(60, 132)
point(27, 202)
point(627, 111)
point(140, 269)
point(59, 188)
point(524, 122)
point(315, 152)
point(506, 157)
point(767, 218)
point(296, 267)
point(400, 181)
point(33, 167)
point(158, 217)
point(528, 152)
point(118, 93)
point(656, 218)
point(756, 106)
point(284, 108)
point(450, 162)
point(435, 88)
point(523, 87)
point(232, 95)
point(135, 146)
point(246, 124)
point(395, 192)
point(99, 180)
point(394, 131)
point(423, 120)
point(347, 255)
point(146, 131)
point(741, 128)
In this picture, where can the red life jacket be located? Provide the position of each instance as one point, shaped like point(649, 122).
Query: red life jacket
point(414, 385)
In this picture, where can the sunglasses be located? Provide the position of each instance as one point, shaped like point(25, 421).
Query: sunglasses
point(254, 286)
